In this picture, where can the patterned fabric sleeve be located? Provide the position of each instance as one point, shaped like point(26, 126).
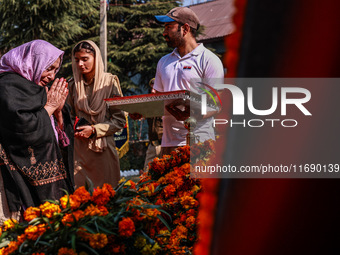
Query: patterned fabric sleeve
point(64, 141)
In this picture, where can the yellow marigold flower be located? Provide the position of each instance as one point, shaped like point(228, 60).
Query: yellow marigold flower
point(48, 209)
point(98, 241)
point(31, 213)
point(146, 250)
point(122, 180)
point(195, 188)
point(140, 242)
point(152, 212)
point(164, 235)
point(126, 227)
point(74, 201)
point(66, 251)
point(10, 223)
point(82, 194)
point(63, 201)
point(33, 232)
point(150, 250)
point(131, 184)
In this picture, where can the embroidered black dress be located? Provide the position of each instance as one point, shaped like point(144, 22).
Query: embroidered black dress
point(33, 166)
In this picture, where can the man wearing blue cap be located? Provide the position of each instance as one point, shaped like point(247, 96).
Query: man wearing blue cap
point(189, 60)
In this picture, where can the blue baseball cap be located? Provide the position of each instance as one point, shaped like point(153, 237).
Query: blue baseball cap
point(163, 18)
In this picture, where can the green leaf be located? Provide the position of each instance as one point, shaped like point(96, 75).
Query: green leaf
point(73, 241)
point(151, 241)
point(164, 221)
point(88, 229)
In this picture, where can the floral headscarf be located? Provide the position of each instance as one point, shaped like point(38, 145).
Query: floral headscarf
point(31, 59)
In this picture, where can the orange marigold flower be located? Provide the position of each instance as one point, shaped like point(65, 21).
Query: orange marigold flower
point(21, 238)
point(33, 232)
point(103, 210)
point(100, 196)
point(169, 190)
point(69, 217)
point(48, 209)
point(188, 202)
point(126, 227)
point(180, 232)
point(93, 210)
point(152, 212)
point(137, 215)
point(37, 253)
point(82, 194)
point(190, 222)
point(191, 212)
point(12, 247)
point(66, 251)
point(108, 188)
point(98, 241)
point(117, 248)
point(159, 202)
point(185, 168)
point(31, 213)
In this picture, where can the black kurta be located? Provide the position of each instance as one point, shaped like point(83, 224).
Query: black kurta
point(33, 166)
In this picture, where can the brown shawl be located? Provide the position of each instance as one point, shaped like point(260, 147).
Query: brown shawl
point(101, 90)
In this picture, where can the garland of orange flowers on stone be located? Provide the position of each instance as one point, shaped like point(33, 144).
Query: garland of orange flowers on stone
point(208, 198)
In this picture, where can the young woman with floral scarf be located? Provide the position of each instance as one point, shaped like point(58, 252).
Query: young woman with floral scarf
point(96, 157)
point(36, 133)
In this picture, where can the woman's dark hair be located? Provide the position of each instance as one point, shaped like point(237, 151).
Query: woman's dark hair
point(86, 46)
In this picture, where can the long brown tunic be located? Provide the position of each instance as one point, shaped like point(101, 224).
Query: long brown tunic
point(99, 167)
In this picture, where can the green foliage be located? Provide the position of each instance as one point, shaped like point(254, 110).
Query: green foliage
point(57, 22)
point(136, 42)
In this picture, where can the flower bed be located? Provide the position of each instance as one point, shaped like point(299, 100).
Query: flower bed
point(157, 215)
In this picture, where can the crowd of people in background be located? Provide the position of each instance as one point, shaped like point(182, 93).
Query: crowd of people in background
point(56, 138)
